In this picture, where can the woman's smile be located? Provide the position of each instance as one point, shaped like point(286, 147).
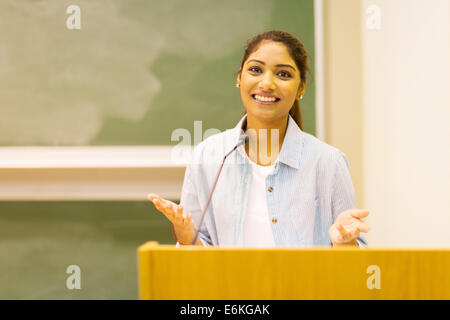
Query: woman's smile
point(263, 98)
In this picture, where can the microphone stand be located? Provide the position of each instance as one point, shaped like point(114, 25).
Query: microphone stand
point(244, 140)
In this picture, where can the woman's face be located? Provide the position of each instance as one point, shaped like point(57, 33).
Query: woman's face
point(269, 82)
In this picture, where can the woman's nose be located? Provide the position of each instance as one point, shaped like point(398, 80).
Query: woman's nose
point(267, 82)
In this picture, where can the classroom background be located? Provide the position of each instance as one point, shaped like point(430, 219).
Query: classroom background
point(91, 116)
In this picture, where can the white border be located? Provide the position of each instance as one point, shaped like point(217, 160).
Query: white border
point(319, 69)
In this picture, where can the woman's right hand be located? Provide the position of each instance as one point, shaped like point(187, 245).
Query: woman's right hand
point(182, 222)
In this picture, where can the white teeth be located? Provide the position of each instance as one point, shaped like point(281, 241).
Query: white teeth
point(264, 99)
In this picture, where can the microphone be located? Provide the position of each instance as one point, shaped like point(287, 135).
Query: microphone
point(243, 140)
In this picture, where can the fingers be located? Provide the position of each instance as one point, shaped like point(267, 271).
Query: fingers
point(188, 219)
point(357, 225)
point(185, 218)
point(172, 211)
point(165, 206)
point(363, 227)
point(159, 205)
point(354, 225)
point(151, 196)
point(359, 214)
point(347, 235)
point(169, 205)
point(344, 234)
point(352, 216)
point(179, 213)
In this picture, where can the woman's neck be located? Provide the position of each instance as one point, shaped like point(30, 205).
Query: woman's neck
point(266, 139)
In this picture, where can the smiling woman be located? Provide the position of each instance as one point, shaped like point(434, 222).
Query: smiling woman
point(287, 63)
point(285, 187)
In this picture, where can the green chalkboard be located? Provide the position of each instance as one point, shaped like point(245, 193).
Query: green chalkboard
point(135, 70)
point(40, 239)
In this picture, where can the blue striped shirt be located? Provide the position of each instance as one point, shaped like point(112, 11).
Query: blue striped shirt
point(309, 187)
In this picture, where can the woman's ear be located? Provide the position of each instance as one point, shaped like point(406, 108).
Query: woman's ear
point(301, 90)
point(238, 80)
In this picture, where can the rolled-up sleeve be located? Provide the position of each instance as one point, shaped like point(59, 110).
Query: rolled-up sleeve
point(343, 194)
point(190, 203)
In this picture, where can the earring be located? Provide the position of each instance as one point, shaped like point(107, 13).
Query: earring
point(301, 97)
point(237, 85)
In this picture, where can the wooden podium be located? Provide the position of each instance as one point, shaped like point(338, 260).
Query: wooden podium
point(218, 273)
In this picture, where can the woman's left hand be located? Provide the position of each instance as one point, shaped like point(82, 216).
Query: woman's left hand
point(347, 227)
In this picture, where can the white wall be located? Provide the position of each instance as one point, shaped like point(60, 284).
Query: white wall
point(343, 84)
point(406, 117)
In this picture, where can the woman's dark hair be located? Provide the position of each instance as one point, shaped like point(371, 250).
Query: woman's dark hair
point(297, 52)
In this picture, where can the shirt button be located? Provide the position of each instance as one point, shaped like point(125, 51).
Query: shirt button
point(274, 220)
point(270, 189)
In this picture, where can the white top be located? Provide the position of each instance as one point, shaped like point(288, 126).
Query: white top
point(257, 228)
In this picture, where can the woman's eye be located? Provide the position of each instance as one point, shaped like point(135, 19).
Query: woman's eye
point(284, 74)
point(254, 69)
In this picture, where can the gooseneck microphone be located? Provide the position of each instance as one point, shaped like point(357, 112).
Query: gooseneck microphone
point(242, 141)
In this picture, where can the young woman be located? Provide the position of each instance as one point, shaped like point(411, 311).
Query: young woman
point(285, 187)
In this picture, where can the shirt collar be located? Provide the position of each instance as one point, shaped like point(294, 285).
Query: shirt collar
point(292, 145)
